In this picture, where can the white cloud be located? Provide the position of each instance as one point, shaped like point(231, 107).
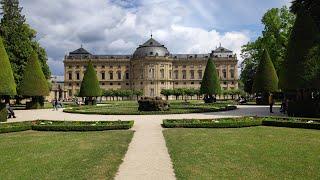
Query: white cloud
point(119, 26)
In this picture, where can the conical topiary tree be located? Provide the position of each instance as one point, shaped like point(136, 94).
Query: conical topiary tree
point(266, 79)
point(210, 84)
point(7, 83)
point(34, 83)
point(90, 85)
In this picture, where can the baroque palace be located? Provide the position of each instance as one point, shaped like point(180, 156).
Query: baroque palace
point(150, 68)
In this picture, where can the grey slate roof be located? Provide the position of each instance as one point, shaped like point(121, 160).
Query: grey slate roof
point(151, 48)
point(222, 49)
point(80, 51)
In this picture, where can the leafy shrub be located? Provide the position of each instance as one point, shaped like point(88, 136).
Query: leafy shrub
point(213, 123)
point(153, 104)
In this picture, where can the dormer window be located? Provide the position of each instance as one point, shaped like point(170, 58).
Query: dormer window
point(151, 53)
point(151, 43)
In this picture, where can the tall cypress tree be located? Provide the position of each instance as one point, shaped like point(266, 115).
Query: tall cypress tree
point(19, 39)
point(210, 84)
point(266, 79)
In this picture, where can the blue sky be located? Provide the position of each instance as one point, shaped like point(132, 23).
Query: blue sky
point(119, 26)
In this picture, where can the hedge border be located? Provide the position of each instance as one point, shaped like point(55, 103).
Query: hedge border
point(256, 121)
point(169, 123)
point(34, 125)
point(204, 110)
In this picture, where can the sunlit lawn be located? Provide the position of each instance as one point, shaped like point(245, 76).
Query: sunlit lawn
point(62, 155)
point(245, 153)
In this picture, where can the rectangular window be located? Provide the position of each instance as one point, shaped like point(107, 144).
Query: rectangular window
point(152, 92)
point(162, 73)
point(127, 75)
point(70, 76)
point(103, 75)
point(224, 73)
point(119, 74)
point(184, 74)
point(176, 74)
point(232, 73)
point(111, 75)
point(78, 76)
point(170, 74)
point(200, 74)
point(192, 74)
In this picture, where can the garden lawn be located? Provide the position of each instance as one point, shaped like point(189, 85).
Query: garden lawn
point(131, 108)
point(245, 153)
point(62, 155)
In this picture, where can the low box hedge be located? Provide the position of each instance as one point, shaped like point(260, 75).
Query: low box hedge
point(305, 123)
point(213, 123)
point(46, 125)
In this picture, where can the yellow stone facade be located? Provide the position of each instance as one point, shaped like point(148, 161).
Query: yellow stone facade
point(151, 68)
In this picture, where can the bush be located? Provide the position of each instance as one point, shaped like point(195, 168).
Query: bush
point(3, 113)
point(44, 125)
point(153, 104)
point(36, 103)
point(213, 123)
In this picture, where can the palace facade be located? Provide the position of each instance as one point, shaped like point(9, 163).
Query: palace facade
point(150, 68)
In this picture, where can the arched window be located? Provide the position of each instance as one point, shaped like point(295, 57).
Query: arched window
point(127, 75)
point(200, 74)
point(184, 74)
point(176, 74)
point(162, 73)
point(191, 74)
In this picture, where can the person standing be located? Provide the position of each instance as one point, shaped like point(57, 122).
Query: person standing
point(271, 102)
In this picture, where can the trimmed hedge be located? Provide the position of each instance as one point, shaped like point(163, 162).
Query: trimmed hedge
point(44, 125)
point(291, 124)
point(81, 126)
point(213, 123)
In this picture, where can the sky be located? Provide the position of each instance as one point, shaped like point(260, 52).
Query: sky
point(120, 26)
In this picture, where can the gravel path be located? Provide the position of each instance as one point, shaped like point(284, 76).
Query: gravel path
point(147, 156)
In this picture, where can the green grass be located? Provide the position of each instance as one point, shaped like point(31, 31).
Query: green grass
point(245, 153)
point(62, 155)
point(131, 108)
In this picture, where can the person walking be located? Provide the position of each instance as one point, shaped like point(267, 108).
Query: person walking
point(56, 104)
point(10, 111)
point(271, 102)
point(53, 102)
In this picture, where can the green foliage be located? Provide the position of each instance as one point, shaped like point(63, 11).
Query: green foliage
point(210, 84)
point(277, 29)
point(7, 84)
point(3, 112)
point(34, 82)
point(297, 65)
point(167, 92)
point(266, 79)
point(15, 127)
point(19, 40)
point(90, 84)
point(213, 123)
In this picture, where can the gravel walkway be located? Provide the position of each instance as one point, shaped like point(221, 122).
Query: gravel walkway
point(147, 156)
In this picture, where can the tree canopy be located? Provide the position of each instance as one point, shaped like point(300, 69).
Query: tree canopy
point(266, 79)
point(33, 82)
point(210, 84)
point(7, 84)
point(19, 40)
point(90, 84)
point(299, 68)
point(278, 24)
